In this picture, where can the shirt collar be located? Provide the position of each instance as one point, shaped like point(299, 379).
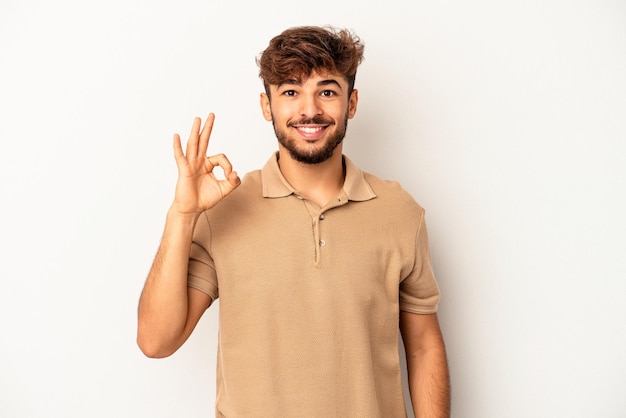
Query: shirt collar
point(275, 185)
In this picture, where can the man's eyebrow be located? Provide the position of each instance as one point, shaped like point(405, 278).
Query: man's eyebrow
point(321, 83)
point(329, 82)
point(292, 82)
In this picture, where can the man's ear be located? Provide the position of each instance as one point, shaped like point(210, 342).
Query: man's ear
point(266, 108)
point(353, 101)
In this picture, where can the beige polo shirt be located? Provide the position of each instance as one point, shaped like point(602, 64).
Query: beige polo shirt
point(310, 297)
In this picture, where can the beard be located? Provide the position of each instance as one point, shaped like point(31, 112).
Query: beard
point(312, 155)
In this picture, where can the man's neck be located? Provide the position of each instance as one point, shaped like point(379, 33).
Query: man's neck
point(318, 183)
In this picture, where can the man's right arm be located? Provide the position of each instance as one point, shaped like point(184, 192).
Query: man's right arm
point(168, 309)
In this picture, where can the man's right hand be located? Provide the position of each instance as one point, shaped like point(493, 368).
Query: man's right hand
point(197, 188)
point(168, 308)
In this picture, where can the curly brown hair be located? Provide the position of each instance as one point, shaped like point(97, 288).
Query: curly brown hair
point(298, 52)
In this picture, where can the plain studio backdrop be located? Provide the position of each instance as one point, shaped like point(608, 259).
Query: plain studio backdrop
point(505, 120)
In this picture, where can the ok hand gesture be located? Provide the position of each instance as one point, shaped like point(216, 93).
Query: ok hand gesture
point(197, 188)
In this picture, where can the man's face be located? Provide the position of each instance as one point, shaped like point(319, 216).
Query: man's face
point(310, 117)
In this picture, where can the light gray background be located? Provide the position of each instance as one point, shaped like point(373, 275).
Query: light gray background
point(505, 120)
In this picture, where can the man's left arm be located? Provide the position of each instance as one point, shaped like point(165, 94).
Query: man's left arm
point(429, 381)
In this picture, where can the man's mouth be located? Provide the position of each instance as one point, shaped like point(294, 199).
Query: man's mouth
point(311, 132)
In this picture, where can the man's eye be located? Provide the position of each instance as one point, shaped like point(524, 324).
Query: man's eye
point(289, 93)
point(328, 93)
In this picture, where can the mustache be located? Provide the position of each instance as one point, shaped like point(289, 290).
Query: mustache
point(316, 120)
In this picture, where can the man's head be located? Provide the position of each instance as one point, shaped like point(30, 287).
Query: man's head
point(309, 73)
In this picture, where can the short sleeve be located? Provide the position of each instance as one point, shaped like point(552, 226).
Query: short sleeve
point(201, 269)
point(419, 291)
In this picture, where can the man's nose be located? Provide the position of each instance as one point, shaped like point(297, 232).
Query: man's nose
point(310, 106)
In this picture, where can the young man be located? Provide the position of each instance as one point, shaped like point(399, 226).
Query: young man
point(317, 264)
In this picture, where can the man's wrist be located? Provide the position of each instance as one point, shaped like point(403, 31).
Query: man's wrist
point(176, 217)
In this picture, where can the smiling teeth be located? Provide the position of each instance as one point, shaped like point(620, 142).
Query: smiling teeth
point(310, 130)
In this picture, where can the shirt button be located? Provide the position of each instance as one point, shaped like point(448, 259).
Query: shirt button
point(322, 243)
point(322, 217)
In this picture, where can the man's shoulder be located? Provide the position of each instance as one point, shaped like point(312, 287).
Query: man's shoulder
point(391, 191)
point(252, 179)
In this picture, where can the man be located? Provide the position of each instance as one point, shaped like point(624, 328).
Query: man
point(317, 265)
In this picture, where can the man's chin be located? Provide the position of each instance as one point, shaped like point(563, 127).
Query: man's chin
point(316, 158)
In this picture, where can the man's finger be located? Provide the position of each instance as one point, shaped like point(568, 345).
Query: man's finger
point(205, 135)
point(231, 183)
point(192, 142)
point(178, 149)
point(220, 160)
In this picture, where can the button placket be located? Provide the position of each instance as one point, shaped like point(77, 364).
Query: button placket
point(322, 242)
point(317, 216)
